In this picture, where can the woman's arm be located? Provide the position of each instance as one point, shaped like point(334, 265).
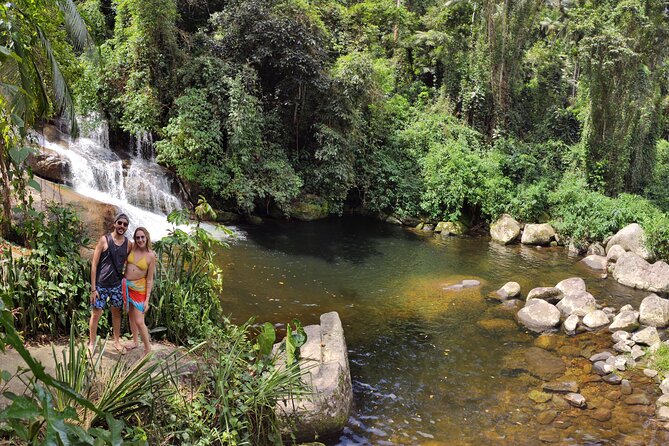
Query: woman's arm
point(149, 278)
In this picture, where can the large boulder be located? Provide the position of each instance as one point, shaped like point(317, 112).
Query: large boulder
point(447, 228)
point(626, 320)
point(632, 270)
point(538, 315)
point(549, 294)
point(51, 166)
point(580, 304)
point(631, 238)
point(505, 230)
point(309, 207)
point(654, 311)
point(572, 285)
point(325, 411)
point(537, 234)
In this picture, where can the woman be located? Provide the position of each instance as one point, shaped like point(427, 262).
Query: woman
point(137, 286)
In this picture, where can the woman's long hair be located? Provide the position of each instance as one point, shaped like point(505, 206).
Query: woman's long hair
point(146, 233)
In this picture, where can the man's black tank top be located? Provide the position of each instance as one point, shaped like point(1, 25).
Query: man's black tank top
point(110, 267)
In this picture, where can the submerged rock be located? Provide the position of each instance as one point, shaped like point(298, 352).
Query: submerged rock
point(326, 411)
point(595, 262)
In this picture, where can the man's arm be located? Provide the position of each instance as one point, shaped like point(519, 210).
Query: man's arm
point(99, 247)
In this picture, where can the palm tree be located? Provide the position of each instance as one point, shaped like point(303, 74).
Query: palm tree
point(32, 85)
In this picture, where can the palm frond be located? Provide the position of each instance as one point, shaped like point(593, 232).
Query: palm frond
point(75, 25)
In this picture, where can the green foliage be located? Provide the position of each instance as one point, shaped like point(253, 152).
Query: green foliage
point(658, 191)
point(185, 298)
point(48, 286)
point(660, 360)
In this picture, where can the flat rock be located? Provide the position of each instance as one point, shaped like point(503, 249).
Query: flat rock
point(602, 356)
point(595, 262)
point(637, 399)
point(595, 319)
point(549, 294)
point(576, 400)
point(625, 320)
point(543, 364)
point(633, 271)
point(647, 336)
point(579, 303)
point(571, 285)
point(538, 315)
point(560, 387)
point(612, 378)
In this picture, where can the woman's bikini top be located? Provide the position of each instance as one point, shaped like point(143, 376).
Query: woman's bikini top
point(141, 263)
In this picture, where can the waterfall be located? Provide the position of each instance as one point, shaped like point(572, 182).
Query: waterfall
point(137, 185)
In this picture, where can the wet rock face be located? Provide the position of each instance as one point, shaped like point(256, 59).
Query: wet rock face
point(51, 166)
point(549, 294)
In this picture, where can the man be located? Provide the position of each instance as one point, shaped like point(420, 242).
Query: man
point(109, 259)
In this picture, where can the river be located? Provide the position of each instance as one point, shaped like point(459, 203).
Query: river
point(429, 366)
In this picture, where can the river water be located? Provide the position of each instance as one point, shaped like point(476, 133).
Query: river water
point(427, 364)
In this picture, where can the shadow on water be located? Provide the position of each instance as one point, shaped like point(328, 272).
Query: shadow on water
point(333, 240)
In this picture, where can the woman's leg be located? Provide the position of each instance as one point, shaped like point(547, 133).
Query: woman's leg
point(140, 326)
point(133, 329)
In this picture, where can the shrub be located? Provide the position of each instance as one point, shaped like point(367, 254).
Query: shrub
point(49, 287)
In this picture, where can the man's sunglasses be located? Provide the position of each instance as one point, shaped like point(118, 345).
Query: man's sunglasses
point(122, 223)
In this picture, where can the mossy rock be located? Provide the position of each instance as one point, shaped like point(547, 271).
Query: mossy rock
point(309, 207)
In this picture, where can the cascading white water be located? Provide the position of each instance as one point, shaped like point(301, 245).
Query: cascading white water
point(138, 186)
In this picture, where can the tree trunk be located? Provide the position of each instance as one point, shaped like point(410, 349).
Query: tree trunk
point(6, 220)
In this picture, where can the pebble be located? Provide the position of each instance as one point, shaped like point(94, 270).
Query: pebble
point(602, 356)
point(576, 400)
point(622, 347)
point(662, 413)
point(547, 417)
point(650, 373)
point(620, 335)
point(561, 387)
point(601, 414)
point(625, 387)
point(612, 378)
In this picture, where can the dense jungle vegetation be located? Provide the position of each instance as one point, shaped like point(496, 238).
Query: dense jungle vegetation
point(435, 109)
point(455, 110)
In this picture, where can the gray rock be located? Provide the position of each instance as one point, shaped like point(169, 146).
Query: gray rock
point(595, 319)
point(538, 315)
point(626, 321)
point(595, 262)
point(647, 336)
point(326, 410)
point(428, 227)
point(637, 352)
point(602, 356)
point(505, 230)
point(620, 335)
point(622, 347)
point(663, 400)
point(537, 234)
point(664, 386)
point(560, 387)
point(579, 303)
point(571, 285)
point(632, 270)
point(662, 413)
point(654, 311)
point(575, 249)
point(626, 387)
point(571, 323)
point(576, 400)
point(612, 378)
point(631, 238)
point(614, 253)
point(620, 363)
point(650, 373)
point(596, 249)
point(602, 368)
point(549, 294)
point(509, 290)
point(51, 166)
point(627, 307)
